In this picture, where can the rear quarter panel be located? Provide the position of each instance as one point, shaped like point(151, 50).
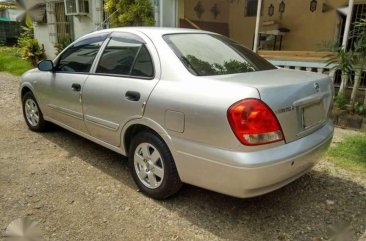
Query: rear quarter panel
point(202, 104)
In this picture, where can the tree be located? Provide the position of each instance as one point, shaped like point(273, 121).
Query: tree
point(130, 12)
point(343, 61)
point(360, 57)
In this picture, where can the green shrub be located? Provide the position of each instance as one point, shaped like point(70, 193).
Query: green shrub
point(130, 12)
point(25, 36)
point(62, 44)
point(341, 101)
point(32, 51)
point(359, 108)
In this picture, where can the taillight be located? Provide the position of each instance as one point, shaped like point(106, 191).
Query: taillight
point(254, 123)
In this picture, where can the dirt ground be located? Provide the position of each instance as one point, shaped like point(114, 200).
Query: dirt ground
point(78, 190)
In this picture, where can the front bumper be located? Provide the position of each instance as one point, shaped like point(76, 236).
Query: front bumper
point(248, 174)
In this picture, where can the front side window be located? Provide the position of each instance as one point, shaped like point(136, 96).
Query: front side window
point(123, 57)
point(209, 54)
point(79, 57)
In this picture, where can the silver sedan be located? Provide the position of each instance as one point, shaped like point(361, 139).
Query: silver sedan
point(185, 106)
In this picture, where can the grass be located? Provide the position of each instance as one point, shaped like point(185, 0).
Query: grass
point(11, 61)
point(350, 153)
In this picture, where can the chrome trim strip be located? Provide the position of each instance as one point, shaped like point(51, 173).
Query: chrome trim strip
point(65, 111)
point(102, 123)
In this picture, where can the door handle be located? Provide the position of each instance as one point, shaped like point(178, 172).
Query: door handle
point(132, 95)
point(76, 87)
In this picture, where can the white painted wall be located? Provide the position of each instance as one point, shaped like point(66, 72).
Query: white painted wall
point(41, 33)
point(89, 23)
point(168, 13)
point(82, 25)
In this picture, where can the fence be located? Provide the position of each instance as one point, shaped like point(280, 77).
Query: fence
point(9, 32)
point(315, 62)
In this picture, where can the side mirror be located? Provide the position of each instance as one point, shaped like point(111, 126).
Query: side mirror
point(45, 65)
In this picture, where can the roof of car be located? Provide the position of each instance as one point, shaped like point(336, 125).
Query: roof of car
point(150, 30)
point(158, 30)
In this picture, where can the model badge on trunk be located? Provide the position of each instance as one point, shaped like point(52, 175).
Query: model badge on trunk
point(316, 87)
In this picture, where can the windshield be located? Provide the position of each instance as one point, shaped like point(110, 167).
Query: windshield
point(210, 54)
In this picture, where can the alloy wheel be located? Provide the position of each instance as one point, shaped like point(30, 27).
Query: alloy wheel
point(148, 165)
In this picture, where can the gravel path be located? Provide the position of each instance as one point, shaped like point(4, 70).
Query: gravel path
point(81, 191)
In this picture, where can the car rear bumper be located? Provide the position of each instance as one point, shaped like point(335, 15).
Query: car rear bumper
point(248, 174)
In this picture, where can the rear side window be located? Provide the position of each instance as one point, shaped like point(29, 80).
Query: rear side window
point(143, 65)
point(123, 57)
point(206, 54)
point(79, 57)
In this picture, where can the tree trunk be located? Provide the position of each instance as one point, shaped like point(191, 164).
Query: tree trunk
point(356, 85)
point(364, 101)
point(344, 82)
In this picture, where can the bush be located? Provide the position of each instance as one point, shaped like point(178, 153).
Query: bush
point(32, 51)
point(25, 36)
point(359, 108)
point(130, 12)
point(341, 102)
point(62, 44)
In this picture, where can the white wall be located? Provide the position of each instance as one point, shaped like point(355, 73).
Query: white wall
point(82, 25)
point(89, 23)
point(41, 33)
point(168, 13)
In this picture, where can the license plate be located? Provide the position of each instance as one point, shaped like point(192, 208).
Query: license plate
point(313, 115)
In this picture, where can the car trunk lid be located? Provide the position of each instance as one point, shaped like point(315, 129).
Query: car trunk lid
point(300, 100)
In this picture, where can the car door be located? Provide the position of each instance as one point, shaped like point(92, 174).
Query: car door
point(65, 87)
point(119, 86)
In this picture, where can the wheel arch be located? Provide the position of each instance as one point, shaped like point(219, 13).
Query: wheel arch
point(25, 90)
point(144, 124)
point(27, 87)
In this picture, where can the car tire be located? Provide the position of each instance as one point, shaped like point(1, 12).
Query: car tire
point(32, 113)
point(152, 166)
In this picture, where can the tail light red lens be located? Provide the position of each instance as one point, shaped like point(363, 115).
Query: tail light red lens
point(254, 123)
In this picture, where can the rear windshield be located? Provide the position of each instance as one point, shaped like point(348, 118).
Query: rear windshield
point(210, 54)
